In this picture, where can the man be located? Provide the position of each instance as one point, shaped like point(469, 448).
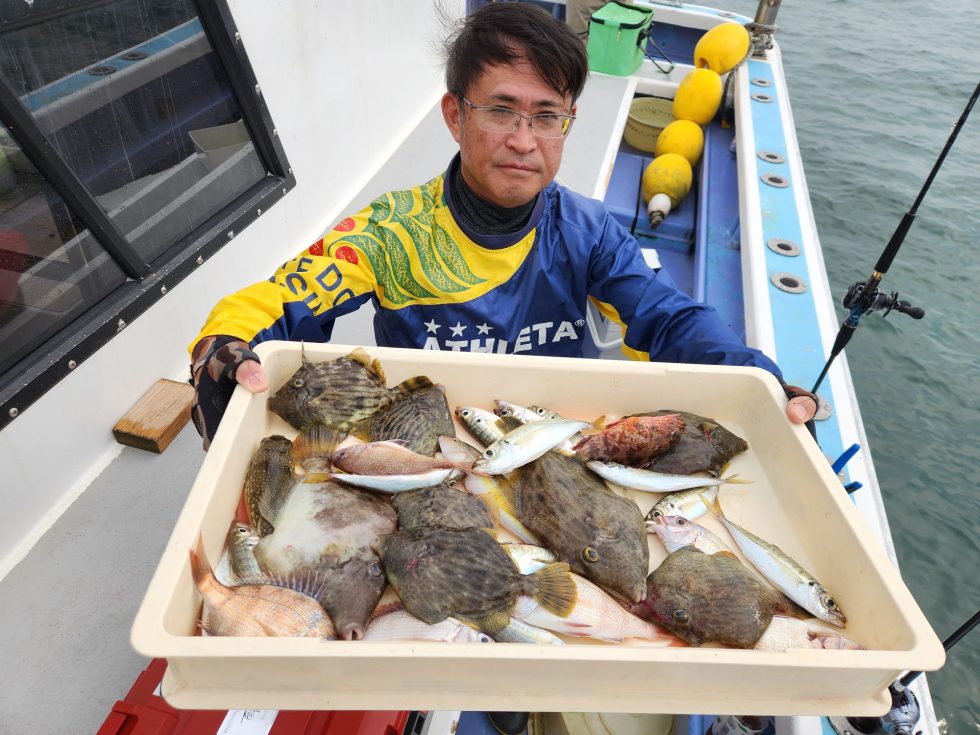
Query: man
point(492, 255)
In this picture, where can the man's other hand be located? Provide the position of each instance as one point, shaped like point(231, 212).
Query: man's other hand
point(802, 405)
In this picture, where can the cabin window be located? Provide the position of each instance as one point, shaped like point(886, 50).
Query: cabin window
point(134, 139)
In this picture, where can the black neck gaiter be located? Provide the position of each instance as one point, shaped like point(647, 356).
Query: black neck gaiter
point(482, 216)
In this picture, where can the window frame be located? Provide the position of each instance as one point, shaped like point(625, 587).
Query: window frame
point(30, 378)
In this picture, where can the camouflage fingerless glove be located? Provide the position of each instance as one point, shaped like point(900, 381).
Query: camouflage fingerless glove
point(216, 360)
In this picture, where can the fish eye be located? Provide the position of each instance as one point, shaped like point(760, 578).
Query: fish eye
point(427, 492)
point(657, 513)
point(374, 569)
point(540, 411)
point(484, 638)
point(680, 617)
point(298, 383)
point(489, 453)
point(590, 555)
point(682, 521)
point(242, 531)
point(465, 412)
point(830, 602)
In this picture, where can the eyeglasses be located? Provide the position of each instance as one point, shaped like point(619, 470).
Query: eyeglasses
point(504, 120)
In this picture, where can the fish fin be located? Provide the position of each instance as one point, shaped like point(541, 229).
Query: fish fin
point(376, 368)
point(396, 442)
point(361, 357)
point(304, 580)
point(736, 480)
point(413, 384)
point(557, 591)
point(200, 566)
point(787, 607)
point(315, 478)
point(713, 506)
point(725, 552)
point(316, 442)
point(508, 423)
point(599, 424)
point(490, 624)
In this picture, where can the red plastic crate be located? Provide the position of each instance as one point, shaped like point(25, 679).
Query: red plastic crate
point(144, 713)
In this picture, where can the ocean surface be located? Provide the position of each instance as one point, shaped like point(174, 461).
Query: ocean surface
point(876, 87)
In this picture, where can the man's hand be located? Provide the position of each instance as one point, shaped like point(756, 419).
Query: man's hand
point(802, 405)
point(221, 362)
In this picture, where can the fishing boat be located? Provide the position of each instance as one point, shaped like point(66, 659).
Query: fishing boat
point(157, 158)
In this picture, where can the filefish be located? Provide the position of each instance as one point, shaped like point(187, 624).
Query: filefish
point(784, 572)
point(706, 598)
point(524, 443)
point(388, 458)
point(256, 609)
point(418, 418)
point(403, 626)
point(677, 532)
point(688, 504)
point(482, 424)
point(599, 534)
point(785, 633)
point(440, 505)
point(495, 492)
point(440, 573)
point(242, 541)
point(339, 394)
point(332, 529)
point(653, 482)
point(705, 446)
point(270, 473)
point(632, 441)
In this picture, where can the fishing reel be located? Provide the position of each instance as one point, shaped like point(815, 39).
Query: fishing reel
point(857, 297)
point(899, 720)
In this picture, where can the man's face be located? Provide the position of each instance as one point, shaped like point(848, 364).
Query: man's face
point(506, 169)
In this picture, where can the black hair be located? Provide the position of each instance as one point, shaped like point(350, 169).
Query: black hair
point(504, 32)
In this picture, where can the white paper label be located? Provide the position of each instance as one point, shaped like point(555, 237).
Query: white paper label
point(248, 722)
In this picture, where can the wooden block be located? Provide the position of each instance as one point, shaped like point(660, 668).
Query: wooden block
point(157, 417)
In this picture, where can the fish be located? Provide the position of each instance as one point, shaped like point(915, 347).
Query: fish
point(653, 482)
point(520, 632)
point(677, 531)
point(403, 626)
point(706, 598)
point(270, 473)
point(332, 528)
point(595, 615)
point(495, 492)
point(688, 504)
point(440, 505)
point(524, 443)
point(632, 441)
point(530, 557)
point(785, 633)
point(522, 414)
point(704, 446)
point(482, 424)
point(339, 394)
point(418, 418)
point(242, 541)
point(440, 573)
point(390, 484)
point(388, 458)
point(599, 534)
point(257, 609)
point(783, 571)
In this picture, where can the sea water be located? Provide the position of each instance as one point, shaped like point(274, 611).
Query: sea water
point(876, 86)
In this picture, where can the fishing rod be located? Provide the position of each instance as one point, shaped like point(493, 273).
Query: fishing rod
point(864, 297)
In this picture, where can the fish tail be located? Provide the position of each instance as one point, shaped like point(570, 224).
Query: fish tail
point(598, 425)
point(413, 384)
point(735, 480)
point(713, 506)
point(557, 591)
point(316, 442)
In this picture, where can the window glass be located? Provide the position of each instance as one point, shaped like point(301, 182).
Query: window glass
point(50, 271)
point(132, 95)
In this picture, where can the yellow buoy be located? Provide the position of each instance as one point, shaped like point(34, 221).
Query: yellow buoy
point(683, 137)
point(722, 48)
point(665, 183)
point(698, 96)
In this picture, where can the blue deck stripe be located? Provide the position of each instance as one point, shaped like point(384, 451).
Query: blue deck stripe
point(799, 351)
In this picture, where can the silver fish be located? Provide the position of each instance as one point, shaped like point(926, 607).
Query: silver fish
point(522, 414)
point(652, 482)
point(526, 442)
point(784, 572)
point(396, 483)
point(686, 503)
point(403, 626)
point(480, 423)
point(520, 632)
point(546, 413)
point(677, 531)
point(242, 541)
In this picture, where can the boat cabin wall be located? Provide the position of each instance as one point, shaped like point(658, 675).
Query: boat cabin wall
point(345, 84)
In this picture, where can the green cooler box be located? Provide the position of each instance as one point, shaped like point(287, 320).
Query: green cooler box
point(617, 34)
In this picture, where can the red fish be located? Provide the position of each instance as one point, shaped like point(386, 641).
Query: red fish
point(633, 441)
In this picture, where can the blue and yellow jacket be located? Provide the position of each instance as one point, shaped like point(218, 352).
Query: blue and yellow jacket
point(437, 285)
